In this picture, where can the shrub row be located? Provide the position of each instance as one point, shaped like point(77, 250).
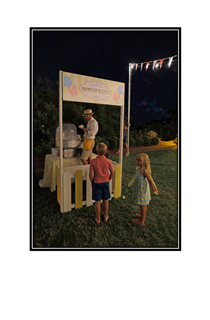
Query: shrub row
point(165, 133)
point(112, 143)
point(144, 141)
point(43, 144)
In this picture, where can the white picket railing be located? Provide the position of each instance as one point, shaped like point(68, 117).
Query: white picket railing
point(73, 177)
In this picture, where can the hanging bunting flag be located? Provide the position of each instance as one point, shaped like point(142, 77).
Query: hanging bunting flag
point(161, 62)
point(170, 61)
point(155, 63)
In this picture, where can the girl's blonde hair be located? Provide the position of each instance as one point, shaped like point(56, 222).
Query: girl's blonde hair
point(146, 162)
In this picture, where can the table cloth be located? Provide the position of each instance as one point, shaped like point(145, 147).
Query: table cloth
point(50, 169)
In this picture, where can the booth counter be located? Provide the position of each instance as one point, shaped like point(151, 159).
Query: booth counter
point(50, 169)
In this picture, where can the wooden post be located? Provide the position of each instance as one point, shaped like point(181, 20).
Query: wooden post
point(121, 141)
point(117, 180)
point(67, 200)
point(129, 101)
point(58, 185)
point(61, 139)
point(78, 189)
point(89, 200)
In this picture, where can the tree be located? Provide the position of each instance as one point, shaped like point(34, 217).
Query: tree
point(45, 91)
point(46, 114)
point(108, 118)
point(46, 121)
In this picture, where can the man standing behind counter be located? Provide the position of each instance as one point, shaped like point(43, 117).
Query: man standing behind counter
point(89, 136)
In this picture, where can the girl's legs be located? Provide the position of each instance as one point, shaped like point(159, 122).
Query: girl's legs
point(142, 216)
point(139, 215)
point(97, 210)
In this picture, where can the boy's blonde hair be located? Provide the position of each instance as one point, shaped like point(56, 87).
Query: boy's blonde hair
point(146, 162)
point(101, 148)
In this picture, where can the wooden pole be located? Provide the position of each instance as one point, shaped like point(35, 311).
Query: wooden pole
point(121, 140)
point(61, 139)
point(129, 99)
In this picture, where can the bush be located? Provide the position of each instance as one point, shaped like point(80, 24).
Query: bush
point(98, 140)
point(167, 133)
point(140, 134)
point(152, 134)
point(117, 139)
point(106, 142)
point(37, 151)
point(144, 131)
point(113, 143)
point(160, 134)
point(132, 141)
point(147, 141)
point(139, 141)
point(168, 136)
point(46, 149)
point(155, 141)
point(45, 122)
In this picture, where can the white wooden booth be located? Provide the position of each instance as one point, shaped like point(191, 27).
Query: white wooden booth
point(80, 88)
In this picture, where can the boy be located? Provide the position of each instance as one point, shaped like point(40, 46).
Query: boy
point(100, 177)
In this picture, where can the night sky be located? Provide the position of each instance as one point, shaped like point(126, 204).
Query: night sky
point(106, 54)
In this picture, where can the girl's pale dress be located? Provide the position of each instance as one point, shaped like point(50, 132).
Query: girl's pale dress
point(141, 189)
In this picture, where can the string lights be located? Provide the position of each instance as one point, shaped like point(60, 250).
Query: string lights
point(155, 64)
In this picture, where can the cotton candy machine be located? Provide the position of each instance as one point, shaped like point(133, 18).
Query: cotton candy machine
point(71, 141)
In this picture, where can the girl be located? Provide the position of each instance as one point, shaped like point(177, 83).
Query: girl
point(141, 189)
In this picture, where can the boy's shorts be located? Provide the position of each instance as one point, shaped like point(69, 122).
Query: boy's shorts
point(100, 191)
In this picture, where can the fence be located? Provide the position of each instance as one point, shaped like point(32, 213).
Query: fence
point(73, 181)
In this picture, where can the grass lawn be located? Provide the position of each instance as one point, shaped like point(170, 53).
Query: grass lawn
point(53, 229)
